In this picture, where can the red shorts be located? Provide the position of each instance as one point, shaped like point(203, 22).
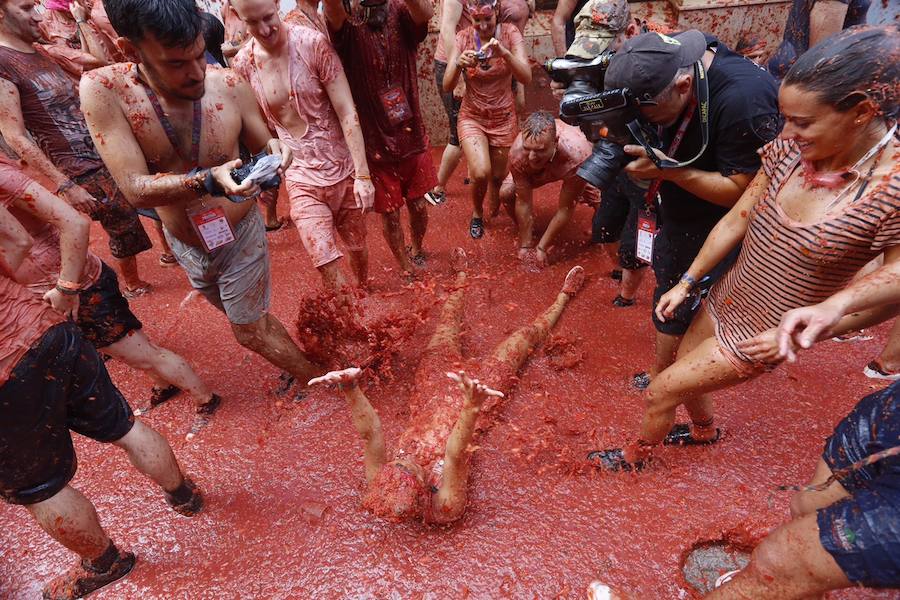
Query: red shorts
point(398, 182)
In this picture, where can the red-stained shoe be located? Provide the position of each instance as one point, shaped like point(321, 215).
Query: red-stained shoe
point(574, 281)
point(85, 578)
point(186, 501)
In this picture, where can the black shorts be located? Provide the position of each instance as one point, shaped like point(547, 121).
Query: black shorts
point(103, 313)
point(115, 214)
point(451, 103)
point(862, 532)
point(674, 250)
point(615, 219)
point(59, 385)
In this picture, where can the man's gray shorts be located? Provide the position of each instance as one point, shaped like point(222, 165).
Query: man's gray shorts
point(235, 277)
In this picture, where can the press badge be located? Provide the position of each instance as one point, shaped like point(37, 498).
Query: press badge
point(646, 236)
point(212, 227)
point(396, 106)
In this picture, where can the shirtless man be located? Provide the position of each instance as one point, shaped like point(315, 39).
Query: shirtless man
point(140, 116)
point(300, 84)
point(545, 151)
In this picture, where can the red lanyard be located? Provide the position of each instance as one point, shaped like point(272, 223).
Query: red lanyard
point(653, 190)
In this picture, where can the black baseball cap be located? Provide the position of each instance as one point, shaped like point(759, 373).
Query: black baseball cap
point(647, 63)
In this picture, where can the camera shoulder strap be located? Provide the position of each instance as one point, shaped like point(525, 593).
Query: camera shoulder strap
point(170, 129)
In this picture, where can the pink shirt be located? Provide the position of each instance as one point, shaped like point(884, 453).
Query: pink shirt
point(572, 149)
point(490, 91)
point(321, 156)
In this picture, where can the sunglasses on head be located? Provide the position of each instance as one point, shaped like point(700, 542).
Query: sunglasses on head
point(482, 10)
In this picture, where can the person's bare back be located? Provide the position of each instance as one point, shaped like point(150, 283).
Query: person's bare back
point(133, 143)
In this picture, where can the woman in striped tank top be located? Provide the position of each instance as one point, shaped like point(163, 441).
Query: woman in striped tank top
point(808, 222)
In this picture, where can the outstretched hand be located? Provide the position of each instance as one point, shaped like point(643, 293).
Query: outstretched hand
point(476, 392)
point(804, 326)
point(342, 377)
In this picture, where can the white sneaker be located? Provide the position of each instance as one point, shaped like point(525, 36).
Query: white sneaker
point(874, 371)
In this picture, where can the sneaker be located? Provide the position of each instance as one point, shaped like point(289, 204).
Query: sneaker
point(874, 370)
point(189, 506)
point(83, 579)
point(613, 459)
point(641, 380)
point(476, 228)
point(435, 198)
point(574, 281)
point(623, 302)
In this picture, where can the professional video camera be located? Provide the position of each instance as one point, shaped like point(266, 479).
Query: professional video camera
point(607, 118)
point(611, 118)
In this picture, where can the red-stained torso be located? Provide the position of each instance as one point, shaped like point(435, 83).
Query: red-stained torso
point(220, 132)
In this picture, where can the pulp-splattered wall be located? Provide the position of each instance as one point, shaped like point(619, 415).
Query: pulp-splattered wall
point(727, 19)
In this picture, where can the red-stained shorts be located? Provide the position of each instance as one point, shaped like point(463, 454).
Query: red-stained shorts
point(319, 212)
point(500, 127)
point(398, 182)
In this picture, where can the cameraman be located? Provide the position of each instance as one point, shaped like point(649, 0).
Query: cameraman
point(742, 115)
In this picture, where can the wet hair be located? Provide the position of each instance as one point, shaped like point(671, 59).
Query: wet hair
point(214, 34)
point(858, 63)
point(174, 23)
point(537, 123)
point(395, 494)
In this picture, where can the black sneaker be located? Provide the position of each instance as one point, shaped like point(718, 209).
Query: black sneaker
point(85, 578)
point(640, 381)
point(613, 459)
point(476, 228)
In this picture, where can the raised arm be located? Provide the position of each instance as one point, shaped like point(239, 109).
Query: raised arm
point(451, 11)
point(727, 234)
point(339, 93)
point(561, 16)
point(516, 57)
point(450, 499)
point(364, 417)
point(89, 35)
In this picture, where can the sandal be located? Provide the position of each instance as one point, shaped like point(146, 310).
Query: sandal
point(640, 381)
point(167, 260)
point(476, 228)
point(435, 198)
point(84, 578)
point(158, 395)
point(613, 459)
point(277, 227)
point(680, 435)
point(186, 500)
point(417, 259)
point(137, 292)
point(209, 407)
point(623, 302)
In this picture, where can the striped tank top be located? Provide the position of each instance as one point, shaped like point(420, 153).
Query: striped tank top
point(785, 265)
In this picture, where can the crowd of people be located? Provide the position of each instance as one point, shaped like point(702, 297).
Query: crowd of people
point(763, 194)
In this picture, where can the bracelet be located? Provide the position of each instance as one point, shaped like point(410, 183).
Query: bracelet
point(68, 288)
point(77, 22)
point(363, 177)
point(687, 280)
point(64, 186)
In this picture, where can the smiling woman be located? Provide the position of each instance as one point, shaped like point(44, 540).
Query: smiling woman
point(824, 204)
